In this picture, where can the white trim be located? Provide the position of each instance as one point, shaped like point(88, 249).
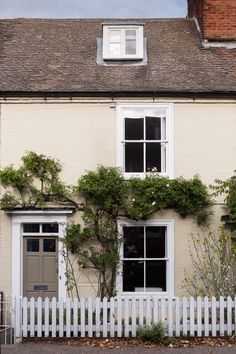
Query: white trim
point(139, 42)
point(20, 218)
point(170, 252)
point(40, 212)
point(138, 110)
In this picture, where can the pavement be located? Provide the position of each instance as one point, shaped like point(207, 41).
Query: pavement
point(52, 348)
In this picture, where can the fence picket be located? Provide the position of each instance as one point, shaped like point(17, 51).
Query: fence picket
point(75, 317)
point(82, 318)
point(177, 317)
point(163, 310)
point(25, 310)
point(68, 317)
point(229, 316)
point(112, 317)
point(126, 315)
point(97, 316)
point(206, 317)
point(140, 311)
point(39, 317)
point(222, 323)
point(170, 317)
point(32, 316)
point(199, 316)
point(191, 315)
point(46, 317)
point(54, 317)
point(185, 324)
point(155, 310)
point(213, 316)
point(61, 318)
point(148, 311)
point(104, 322)
point(133, 314)
point(119, 318)
point(90, 317)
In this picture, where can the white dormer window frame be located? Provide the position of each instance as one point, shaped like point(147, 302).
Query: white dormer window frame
point(122, 42)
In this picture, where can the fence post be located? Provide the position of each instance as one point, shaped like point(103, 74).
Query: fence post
point(18, 311)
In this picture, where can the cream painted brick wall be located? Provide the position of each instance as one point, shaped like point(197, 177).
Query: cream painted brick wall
point(82, 136)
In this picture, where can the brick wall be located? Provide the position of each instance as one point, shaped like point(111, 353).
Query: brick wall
point(217, 18)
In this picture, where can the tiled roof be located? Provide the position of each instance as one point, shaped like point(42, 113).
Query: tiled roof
point(48, 55)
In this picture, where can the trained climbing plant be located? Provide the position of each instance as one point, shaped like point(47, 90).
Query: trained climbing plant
point(228, 189)
point(101, 196)
point(34, 183)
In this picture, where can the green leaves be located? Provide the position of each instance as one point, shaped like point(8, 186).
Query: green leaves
point(104, 187)
point(149, 195)
point(18, 179)
point(227, 187)
point(35, 182)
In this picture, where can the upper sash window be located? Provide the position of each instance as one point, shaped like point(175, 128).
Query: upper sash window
point(145, 140)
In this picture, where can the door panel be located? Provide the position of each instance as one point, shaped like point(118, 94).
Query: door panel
point(32, 268)
point(40, 258)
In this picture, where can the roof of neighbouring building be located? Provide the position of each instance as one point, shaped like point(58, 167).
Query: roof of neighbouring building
point(50, 55)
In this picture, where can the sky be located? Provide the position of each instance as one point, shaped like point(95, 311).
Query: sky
point(92, 8)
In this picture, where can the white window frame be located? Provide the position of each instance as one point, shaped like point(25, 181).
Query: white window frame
point(140, 110)
point(36, 217)
point(169, 224)
point(106, 42)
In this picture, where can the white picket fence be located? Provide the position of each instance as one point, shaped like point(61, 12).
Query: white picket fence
point(120, 316)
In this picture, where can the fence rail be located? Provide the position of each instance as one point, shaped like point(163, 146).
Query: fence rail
point(119, 317)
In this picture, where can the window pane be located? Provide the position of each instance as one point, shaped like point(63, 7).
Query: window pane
point(134, 242)
point(134, 157)
point(115, 36)
point(130, 34)
point(49, 245)
point(31, 228)
point(155, 242)
point(153, 128)
point(156, 276)
point(153, 157)
point(48, 228)
point(130, 47)
point(133, 275)
point(115, 49)
point(133, 128)
point(33, 245)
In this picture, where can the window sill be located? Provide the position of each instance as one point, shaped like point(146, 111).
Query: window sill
point(143, 175)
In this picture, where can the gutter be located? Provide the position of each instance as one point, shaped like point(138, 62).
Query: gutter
point(152, 94)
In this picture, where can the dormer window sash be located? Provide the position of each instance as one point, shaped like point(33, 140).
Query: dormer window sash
point(122, 42)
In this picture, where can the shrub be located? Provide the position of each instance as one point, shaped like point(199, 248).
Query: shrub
point(153, 333)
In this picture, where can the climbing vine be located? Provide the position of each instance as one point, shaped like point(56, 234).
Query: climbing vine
point(34, 183)
point(228, 189)
point(102, 196)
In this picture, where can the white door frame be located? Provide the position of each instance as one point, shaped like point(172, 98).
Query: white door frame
point(38, 216)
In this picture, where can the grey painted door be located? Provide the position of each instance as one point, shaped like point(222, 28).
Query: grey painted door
point(40, 276)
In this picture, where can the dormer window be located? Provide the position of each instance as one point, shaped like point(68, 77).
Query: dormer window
point(122, 42)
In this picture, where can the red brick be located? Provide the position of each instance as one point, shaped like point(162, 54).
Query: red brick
point(217, 18)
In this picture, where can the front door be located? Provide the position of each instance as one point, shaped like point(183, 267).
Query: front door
point(40, 257)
